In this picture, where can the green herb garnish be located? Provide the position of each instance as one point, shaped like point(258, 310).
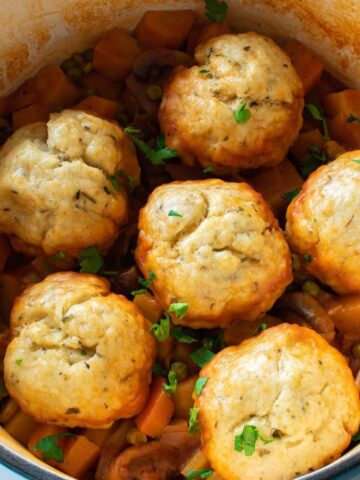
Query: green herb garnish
point(161, 330)
point(156, 156)
point(208, 170)
point(49, 447)
point(356, 160)
point(200, 384)
point(288, 196)
point(18, 362)
point(307, 257)
point(317, 113)
point(180, 309)
point(352, 118)
point(144, 283)
point(205, 473)
point(174, 213)
point(312, 161)
point(58, 256)
point(181, 336)
point(260, 328)
point(247, 439)
point(193, 424)
point(170, 388)
point(202, 356)
point(242, 114)
point(216, 11)
point(90, 260)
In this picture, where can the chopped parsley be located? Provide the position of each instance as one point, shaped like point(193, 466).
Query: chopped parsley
point(204, 473)
point(352, 118)
point(49, 447)
point(180, 309)
point(307, 257)
point(317, 113)
point(206, 72)
point(356, 160)
point(216, 11)
point(174, 213)
point(114, 179)
point(247, 439)
point(193, 424)
point(161, 330)
point(156, 156)
point(242, 114)
point(144, 283)
point(200, 384)
point(91, 260)
point(181, 336)
point(260, 328)
point(202, 356)
point(170, 388)
point(18, 362)
point(208, 170)
point(312, 161)
point(58, 256)
point(159, 370)
point(288, 196)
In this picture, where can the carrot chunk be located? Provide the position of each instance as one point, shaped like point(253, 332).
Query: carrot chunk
point(346, 101)
point(100, 106)
point(80, 456)
point(20, 426)
point(54, 88)
point(24, 96)
point(201, 33)
point(115, 54)
point(308, 66)
point(164, 29)
point(347, 134)
point(157, 412)
point(102, 86)
point(31, 114)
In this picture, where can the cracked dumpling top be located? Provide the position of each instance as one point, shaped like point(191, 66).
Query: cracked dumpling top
point(323, 223)
point(80, 356)
point(215, 246)
point(291, 386)
point(245, 70)
point(56, 190)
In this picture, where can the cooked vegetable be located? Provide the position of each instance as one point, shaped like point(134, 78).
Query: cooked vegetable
point(115, 54)
point(164, 29)
point(346, 101)
point(20, 426)
point(161, 330)
point(345, 312)
point(307, 65)
point(180, 370)
point(247, 439)
point(242, 114)
point(174, 213)
point(158, 410)
point(134, 437)
point(347, 134)
point(179, 309)
point(54, 88)
point(201, 33)
point(316, 112)
point(31, 114)
point(205, 473)
point(170, 388)
point(216, 10)
point(47, 442)
point(200, 384)
point(80, 455)
point(193, 420)
point(201, 356)
point(149, 306)
point(90, 260)
point(197, 462)
point(156, 156)
point(312, 138)
point(100, 106)
point(183, 397)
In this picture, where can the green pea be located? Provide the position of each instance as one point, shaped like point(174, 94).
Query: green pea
point(68, 64)
point(311, 287)
point(87, 67)
point(154, 92)
point(75, 74)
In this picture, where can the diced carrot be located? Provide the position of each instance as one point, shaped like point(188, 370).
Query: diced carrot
point(201, 33)
point(164, 28)
point(346, 101)
point(158, 410)
point(102, 86)
point(183, 397)
point(115, 53)
point(80, 455)
point(347, 134)
point(306, 63)
point(42, 431)
point(333, 149)
point(24, 96)
point(31, 114)
point(4, 251)
point(276, 181)
point(101, 106)
point(54, 87)
point(305, 141)
point(20, 426)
